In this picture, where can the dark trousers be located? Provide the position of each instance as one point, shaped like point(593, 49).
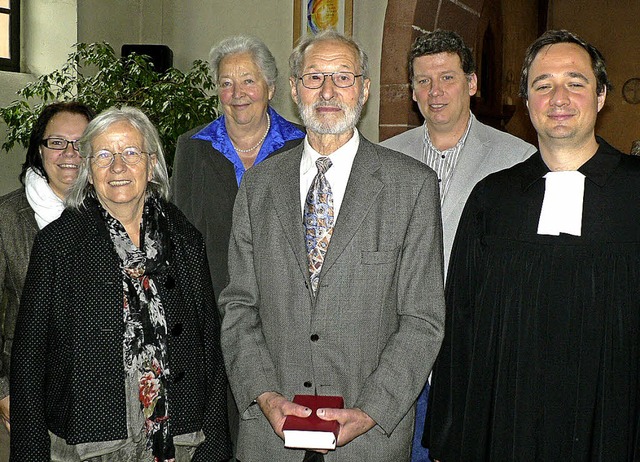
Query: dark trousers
point(418, 452)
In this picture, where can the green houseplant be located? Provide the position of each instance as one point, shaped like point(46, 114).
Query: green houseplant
point(93, 74)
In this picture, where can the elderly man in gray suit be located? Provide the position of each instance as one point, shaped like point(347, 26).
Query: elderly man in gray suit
point(336, 275)
point(460, 149)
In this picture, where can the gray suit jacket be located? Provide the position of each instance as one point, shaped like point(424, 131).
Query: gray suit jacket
point(18, 229)
point(485, 151)
point(379, 308)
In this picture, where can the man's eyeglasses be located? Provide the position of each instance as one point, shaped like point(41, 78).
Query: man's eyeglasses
point(129, 156)
point(59, 144)
point(315, 80)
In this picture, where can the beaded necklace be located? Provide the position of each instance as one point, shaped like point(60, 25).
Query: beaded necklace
point(259, 142)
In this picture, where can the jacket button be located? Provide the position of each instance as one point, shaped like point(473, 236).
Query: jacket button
point(170, 283)
point(307, 384)
point(179, 376)
point(315, 338)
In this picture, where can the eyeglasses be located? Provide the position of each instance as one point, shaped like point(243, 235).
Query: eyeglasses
point(129, 156)
point(59, 144)
point(315, 80)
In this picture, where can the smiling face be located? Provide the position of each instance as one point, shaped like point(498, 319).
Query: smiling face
point(329, 109)
point(243, 91)
point(62, 166)
point(562, 99)
point(443, 91)
point(121, 187)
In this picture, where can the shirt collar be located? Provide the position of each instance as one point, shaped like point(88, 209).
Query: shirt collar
point(460, 142)
point(597, 169)
point(341, 156)
point(280, 132)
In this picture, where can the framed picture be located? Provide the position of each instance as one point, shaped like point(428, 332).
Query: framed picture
point(313, 16)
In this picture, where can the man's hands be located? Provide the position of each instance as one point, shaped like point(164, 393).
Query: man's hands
point(276, 408)
point(353, 422)
point(4, 412)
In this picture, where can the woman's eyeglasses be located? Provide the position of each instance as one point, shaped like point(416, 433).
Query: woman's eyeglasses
point(105, 158)
point(59, 144)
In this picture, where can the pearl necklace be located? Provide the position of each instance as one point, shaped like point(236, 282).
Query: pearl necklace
point(259, 142)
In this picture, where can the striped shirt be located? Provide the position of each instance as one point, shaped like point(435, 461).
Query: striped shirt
point(443, 162)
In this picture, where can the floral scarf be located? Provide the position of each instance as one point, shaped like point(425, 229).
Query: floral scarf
point(145, 335)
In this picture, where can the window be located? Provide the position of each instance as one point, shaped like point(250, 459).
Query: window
point(10, 35)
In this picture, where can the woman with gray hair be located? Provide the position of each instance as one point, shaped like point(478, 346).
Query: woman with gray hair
point(116, 351)
point(211, 159)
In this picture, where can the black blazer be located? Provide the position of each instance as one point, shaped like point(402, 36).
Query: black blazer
point(67, 372)
point(204, 187)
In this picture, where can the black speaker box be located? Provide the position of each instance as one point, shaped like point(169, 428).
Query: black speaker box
point(161, 55)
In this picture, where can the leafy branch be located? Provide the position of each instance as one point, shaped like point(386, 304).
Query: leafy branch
point(174, 101)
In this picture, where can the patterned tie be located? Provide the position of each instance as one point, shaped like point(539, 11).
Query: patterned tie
point(318, 220)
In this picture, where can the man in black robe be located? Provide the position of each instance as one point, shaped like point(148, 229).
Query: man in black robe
point(541, 354)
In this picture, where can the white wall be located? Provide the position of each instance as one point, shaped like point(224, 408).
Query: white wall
point(49, 32)
point(368, 24)
point(189, 27)
point(44, 48)
point(10, 163)
point(191, 36)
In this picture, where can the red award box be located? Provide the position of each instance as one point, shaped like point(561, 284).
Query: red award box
point(312, 432)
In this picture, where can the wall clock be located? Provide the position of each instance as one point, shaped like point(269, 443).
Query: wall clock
point(631, 91)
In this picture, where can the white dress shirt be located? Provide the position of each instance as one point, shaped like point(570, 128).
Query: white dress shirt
point(337, 175)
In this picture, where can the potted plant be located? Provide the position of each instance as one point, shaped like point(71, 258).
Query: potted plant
point(174, 101)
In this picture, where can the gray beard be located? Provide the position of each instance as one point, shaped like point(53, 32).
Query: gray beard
point(347, 123)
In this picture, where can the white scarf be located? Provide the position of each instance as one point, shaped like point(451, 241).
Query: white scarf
point(562, 205)
point(44, 202)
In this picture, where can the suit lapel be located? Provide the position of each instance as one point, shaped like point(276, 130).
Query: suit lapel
point(27, 216)
point(286, 187)
point(416, 144)
point(362, 191)
point(473, 154)
point(214, 162)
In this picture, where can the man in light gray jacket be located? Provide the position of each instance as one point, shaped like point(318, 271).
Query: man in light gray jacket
point(452, 141)
point(345, 300)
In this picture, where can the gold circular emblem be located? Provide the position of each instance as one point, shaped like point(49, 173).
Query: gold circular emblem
point(631, 91)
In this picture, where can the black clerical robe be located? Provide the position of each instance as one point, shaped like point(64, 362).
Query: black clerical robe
point(541, 354)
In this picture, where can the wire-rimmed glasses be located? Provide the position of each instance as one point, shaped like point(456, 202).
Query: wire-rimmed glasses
point(315, 80)
point(105, 158)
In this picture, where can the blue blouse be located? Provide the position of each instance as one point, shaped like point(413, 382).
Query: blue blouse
point(280, 132)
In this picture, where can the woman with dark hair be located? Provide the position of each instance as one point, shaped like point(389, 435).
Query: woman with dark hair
point(117, 345)
point(50, 167)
